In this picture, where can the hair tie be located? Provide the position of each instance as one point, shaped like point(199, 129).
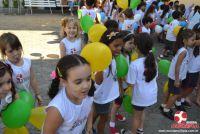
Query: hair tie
point(112, 34)
point(127, 35)
point(59, 73)
point(53, 74)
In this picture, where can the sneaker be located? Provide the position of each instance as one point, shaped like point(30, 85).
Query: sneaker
point(169, 115)
point(161, 109)
point(139, 131)
point(186, 104)
point(124, 131)
point(113, 130)
point(180, 108)
point(120, 117)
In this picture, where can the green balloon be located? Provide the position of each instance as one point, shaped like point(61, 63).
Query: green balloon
point(86, 23)
point(134, 3)
point(16, 114)
point(127, 104)
point(154, 51)
point(121, 65)
point(163, 66)
point(27, 97)
point(170, 19)
point(79, 12)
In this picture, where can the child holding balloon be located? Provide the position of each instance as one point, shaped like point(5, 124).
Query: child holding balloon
point(71, 43)
point(107, 86)
point(142, 76)
point(177, 71)
point(71, 105)
point(23, 74)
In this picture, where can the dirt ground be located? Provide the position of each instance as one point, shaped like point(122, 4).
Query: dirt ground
point(39, 34)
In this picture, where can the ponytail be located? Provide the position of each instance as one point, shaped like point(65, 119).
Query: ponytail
point(54, 88)
point(150, 67)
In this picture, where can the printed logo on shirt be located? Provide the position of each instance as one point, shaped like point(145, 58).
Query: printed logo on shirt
point(73, 50)
point(89, 14)
point(129, 27)
point(78, 123)
point(19, 78)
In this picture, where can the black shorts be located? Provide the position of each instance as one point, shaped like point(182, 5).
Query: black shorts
point(172, 89)
point(102, 108)
point(138, 108)
point(191, 80)
point(169, 45)
point(118, 101)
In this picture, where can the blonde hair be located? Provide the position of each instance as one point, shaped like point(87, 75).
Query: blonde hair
point(65, 22)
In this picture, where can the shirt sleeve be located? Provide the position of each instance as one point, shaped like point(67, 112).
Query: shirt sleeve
point(131, 76)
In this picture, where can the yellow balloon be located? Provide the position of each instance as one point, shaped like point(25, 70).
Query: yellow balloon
point(37, 117)
point(22, 130)
point(95, 32)
point(93, 76)
point(176, 30)
point(122, 3)
point(134, 56)
point(128, 91)
point(98, 55)
point(165, 88)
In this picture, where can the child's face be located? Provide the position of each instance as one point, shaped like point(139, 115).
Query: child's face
point(71, 30)
point(191, 41)
point(13, 55)
point(78, 82)
point(116, 46)
point(148, 25)
point(128, 46)
point(143, 8)
point(5, 85)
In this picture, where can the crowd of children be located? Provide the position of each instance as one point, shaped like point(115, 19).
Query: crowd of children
point(77, 100)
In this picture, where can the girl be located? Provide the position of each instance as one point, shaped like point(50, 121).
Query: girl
point(71, 43)
point(108, 88)
point(126, 51)
point(23, 74)
point(7, 90)
point(177, 71)
point(70, 107)
point(142, 76)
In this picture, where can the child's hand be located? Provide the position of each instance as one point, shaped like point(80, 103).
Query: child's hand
point(177, 83)
point(39, 99)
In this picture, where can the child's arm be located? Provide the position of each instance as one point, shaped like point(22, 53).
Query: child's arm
point(62, 50)
point(177, 68)
point(53, 121)
point(35, 87)
point(121, 17)
point(90, 121)
point(99, 78)
point(121, 90)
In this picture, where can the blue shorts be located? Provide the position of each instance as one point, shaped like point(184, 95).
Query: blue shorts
point(172, 89)
point(191, 80)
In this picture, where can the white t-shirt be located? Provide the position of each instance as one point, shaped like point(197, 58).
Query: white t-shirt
point(90, 12)
point(170, 32)
point(72, 47)
point(109, 88)
point(144, 93)
point(128, 25)
point(74, 116)
point(183, 66)
point(5, 101)
point(145, 30)
point(194, 62)
point(163, 20)
point(21, 74)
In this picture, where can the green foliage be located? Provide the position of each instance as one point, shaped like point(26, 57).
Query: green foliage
point(15, 3)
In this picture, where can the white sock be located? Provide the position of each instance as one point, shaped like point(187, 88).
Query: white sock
point(178, 103)
point(182, 100)
point(112, 124)
point(166, 110)
point(163, 105)
point(140, 129)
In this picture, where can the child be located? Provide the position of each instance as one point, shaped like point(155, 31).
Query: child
point(70, 107)
point(126, 18)
point(146, 24)
point(108, 88)
point(7, 88)
point(23, 74)
point(71, 43)
point(170, 37)
point(142, 76)
point(177, 71)
point(111, 24)
point(126, 51)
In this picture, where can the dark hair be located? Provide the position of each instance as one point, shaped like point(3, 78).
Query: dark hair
point(182, 9)
point(171, 3)
point(142, 3)
point(196, 29)
point(7, 68)
point(128, 13)
point(12, 40)
point(146, 20)
point(144, 44)
point(183, 34)
point(90, 2)
point(196, 9)
point(165, 11)
point(176, 2)
point(111, 24)
point(64, 64)
point(150, 10)
point(176, 14)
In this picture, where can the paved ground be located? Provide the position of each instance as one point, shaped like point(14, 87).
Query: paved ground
point(39, 34)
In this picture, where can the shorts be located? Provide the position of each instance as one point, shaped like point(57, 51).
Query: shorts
point(191, 80)
point(102, 108)
point(172, 89)
point(169, 45)
point(118, 101)
point(139, 108)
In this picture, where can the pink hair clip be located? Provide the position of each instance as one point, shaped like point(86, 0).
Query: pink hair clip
point(53, 74)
